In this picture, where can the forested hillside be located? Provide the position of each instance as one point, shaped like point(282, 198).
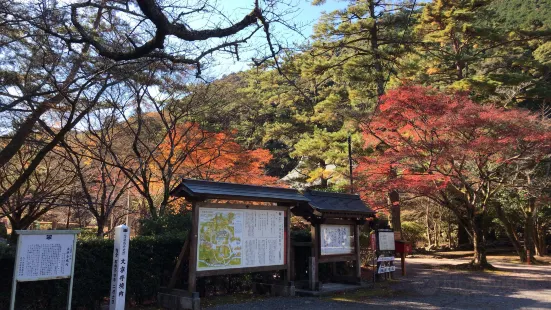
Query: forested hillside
point(523, 13)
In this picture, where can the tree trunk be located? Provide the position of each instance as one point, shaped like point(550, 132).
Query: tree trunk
point(395, 211)
point(438, 228)
point(101, 226)
point(374, 42)
point(479, 246)
point(511, 233)
point(463, 235)
point(529, 247)
point(68, 218)
point(450, 235)
point(18, 223)
point(540, 241)
point(427, 223)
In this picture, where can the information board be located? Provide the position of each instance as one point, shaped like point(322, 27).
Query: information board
point(386, 241)
point(336, 239)
point(44, 257)
point(238, 238)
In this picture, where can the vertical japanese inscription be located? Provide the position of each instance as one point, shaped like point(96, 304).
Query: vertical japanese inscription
point(120, 268)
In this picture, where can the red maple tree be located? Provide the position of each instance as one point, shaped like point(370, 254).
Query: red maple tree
point(425, 143)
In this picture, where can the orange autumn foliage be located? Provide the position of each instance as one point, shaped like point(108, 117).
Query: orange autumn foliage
point(200, 154)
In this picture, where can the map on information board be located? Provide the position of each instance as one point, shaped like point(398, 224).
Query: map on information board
point(235, 238)
point(43, 257)
point(336, 239)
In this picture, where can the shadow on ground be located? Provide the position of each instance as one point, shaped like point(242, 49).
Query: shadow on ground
point(429, 285)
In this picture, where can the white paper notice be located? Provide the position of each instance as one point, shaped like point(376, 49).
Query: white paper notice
point(336, 239)
point(235, 238)
point(44, 257)
point(386, 241)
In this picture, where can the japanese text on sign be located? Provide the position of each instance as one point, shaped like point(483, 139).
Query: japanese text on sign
point(236, 238)
point(44, 257)
point(120, 268)
point(386, 241)
point(336, 239)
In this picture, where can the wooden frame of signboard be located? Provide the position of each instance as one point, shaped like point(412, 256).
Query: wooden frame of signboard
point(209, 194)
point(333, 209)
point(319, 258)
point(194, 273)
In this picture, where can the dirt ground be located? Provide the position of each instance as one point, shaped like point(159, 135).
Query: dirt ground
point(434, 283)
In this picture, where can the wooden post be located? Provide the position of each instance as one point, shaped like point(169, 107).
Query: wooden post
point(181, 258)
point(192, 278)
point(314, 265)
point(403, 256)
point(358, 271)
point(289, 259)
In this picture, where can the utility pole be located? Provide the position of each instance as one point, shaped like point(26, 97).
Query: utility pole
point(350, 163)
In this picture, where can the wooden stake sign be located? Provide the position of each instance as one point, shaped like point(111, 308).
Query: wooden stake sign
point(120, 268)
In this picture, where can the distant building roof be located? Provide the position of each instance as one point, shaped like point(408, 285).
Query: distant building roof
point(201, 190)
point(337, 203)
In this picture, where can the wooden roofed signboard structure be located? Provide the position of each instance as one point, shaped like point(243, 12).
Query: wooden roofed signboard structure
point(335, 220)
point(228, 238)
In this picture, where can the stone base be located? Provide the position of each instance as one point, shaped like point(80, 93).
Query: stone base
point(274, 289)
point(174, 299)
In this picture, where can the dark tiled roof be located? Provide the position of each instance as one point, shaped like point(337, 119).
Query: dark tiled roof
point(200, 190)
point(337, 202)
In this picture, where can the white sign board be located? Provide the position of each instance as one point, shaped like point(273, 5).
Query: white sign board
point(120, 268)
point(386, 241)
point(237, 238)
point(336, 239)
point(386, 268)
point(44, 257)
point(385, 258)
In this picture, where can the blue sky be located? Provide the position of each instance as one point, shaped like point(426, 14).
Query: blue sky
point(304, 14)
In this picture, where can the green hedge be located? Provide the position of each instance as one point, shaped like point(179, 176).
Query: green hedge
point(149, 266)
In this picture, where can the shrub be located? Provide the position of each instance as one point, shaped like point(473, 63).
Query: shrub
point(171, 224)
point(413, 232)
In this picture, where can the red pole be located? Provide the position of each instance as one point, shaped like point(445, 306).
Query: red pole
point(528, 257)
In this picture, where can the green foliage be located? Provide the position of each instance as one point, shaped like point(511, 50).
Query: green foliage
point(413, 232)
point(522, 13)
point(302, 235)
point(87, 234)
point(171, 224)
point(150, 264)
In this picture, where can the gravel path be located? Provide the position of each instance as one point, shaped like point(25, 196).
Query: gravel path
point(428, 286)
